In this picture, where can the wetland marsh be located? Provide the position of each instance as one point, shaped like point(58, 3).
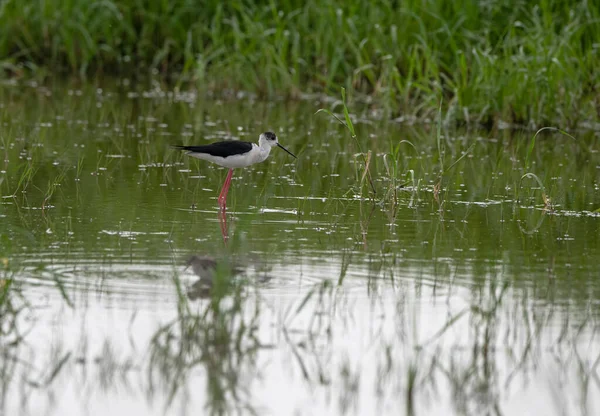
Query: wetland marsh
point(472, 291)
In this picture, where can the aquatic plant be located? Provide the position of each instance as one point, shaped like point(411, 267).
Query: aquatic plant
point(500, 61)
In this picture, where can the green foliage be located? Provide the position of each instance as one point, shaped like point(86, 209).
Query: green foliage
point(350, 126)
point(509, 60)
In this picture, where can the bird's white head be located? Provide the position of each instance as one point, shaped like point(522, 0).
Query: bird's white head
point(269, 139)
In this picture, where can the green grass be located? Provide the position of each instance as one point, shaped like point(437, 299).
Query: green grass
point(513, 61)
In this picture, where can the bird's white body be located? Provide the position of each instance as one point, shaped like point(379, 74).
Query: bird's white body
point(256, 155)
point(235, 153)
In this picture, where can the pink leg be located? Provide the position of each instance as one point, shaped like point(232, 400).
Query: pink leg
point(225, 190)
point(223, 205)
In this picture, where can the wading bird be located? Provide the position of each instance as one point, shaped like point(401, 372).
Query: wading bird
point(234, 154)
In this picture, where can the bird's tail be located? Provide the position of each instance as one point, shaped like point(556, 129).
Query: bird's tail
point(179, 147)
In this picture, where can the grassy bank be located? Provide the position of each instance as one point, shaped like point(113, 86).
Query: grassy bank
point(490, 60)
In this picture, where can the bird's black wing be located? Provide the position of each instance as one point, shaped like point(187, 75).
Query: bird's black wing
point(221, 149)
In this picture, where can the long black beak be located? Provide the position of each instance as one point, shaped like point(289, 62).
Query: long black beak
point(287, 151)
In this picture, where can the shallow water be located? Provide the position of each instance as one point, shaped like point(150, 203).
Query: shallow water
point(475, 300)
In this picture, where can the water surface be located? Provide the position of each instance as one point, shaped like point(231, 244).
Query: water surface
point(472, 297)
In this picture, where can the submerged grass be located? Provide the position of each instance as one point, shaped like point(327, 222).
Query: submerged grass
point(123, 156)
point(501, 60)
point(366, 158)
point(124, 196)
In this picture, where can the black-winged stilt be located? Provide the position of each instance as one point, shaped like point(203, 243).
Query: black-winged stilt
point(234, 154)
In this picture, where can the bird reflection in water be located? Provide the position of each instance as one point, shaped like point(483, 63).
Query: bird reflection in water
point(220, 274)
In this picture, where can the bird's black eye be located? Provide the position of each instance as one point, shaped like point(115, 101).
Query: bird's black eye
point(270, 136)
